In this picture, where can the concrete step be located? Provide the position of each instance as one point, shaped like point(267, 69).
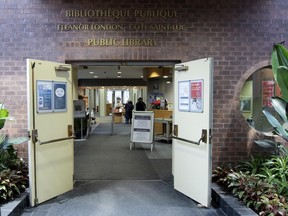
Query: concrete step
point(17, 206)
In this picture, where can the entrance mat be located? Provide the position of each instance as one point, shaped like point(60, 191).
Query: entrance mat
point(108, 129)
point(107, 157)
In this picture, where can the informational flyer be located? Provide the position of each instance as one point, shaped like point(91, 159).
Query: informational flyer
point(44, 96)
point(60, 98)
point(196, 96)
point(142, 127)
point(183, 95)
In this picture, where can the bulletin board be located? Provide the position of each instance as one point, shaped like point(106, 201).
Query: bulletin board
point(51, 96)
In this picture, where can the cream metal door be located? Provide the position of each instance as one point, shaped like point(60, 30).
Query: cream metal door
point(192, 120)
point(50, 123)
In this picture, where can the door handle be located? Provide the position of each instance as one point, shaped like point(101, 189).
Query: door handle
point(35, 137)
point(55, 140)
point(203, 136)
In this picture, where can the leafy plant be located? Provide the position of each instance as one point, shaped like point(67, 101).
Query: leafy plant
point(252, 166)
point(13, 170)
point(253, 187)
point(279, 59)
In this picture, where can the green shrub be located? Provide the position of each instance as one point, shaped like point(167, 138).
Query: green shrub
point(261, 183)
point(13, 170)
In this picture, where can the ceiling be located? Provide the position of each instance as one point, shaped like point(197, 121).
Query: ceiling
point(116, 74)
point(116, 69)
point(110, 72)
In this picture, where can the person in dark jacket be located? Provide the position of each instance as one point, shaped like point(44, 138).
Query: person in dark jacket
point(128, 112)
point(140, 105)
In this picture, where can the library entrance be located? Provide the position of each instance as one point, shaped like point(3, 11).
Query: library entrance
point(99, 155)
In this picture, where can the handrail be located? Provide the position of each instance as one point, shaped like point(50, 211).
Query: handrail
point(55, 140)
point(189, 141)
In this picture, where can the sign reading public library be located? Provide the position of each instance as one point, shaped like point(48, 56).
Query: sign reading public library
point(51, 96)
point(117, 14)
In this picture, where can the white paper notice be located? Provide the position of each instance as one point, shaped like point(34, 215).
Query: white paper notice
point(142, 128)
point(183, 95)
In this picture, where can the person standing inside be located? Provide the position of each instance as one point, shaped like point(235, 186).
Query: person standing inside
point(128, 112)
point(140, 105)
point(93, 116)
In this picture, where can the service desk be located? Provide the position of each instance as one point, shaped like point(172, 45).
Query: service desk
point(167, 126)
point(118, 117)
point(164, 114)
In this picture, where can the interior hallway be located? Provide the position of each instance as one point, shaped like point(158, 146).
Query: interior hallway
point(112, 180)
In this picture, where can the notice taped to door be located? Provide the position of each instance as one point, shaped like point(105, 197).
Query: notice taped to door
point(142, 126)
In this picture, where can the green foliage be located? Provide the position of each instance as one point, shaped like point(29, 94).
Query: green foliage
point(13, 170)
point(261, 183)
point(3, 116)
point(279, 59)
point(253, 166)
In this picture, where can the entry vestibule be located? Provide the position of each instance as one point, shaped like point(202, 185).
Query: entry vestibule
point(97, 84)
point(101, 94)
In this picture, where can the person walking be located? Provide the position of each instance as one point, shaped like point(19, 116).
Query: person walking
point(128, 111)
point(140, 105)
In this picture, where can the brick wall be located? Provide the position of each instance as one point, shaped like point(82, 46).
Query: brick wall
point(238, 34)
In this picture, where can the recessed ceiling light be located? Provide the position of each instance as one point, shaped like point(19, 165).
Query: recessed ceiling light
point(119, 72)
point(95, 76)
point(168, 82)
point(91, 72)
point(165, 76)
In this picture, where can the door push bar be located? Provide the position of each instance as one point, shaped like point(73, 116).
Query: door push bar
point(35, 137)
point(203, 136)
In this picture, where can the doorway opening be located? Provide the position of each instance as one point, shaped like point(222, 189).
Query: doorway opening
point(100, 83)
point(103, 85)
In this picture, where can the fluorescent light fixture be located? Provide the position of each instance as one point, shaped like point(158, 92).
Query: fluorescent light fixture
point(91, 72)
point(165, 76)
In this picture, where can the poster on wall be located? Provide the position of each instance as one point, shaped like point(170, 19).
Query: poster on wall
point(183, 95)
point(60, 100)
point(196, 96)
point(268, 88)
point(44, 96)
point(142, 126)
